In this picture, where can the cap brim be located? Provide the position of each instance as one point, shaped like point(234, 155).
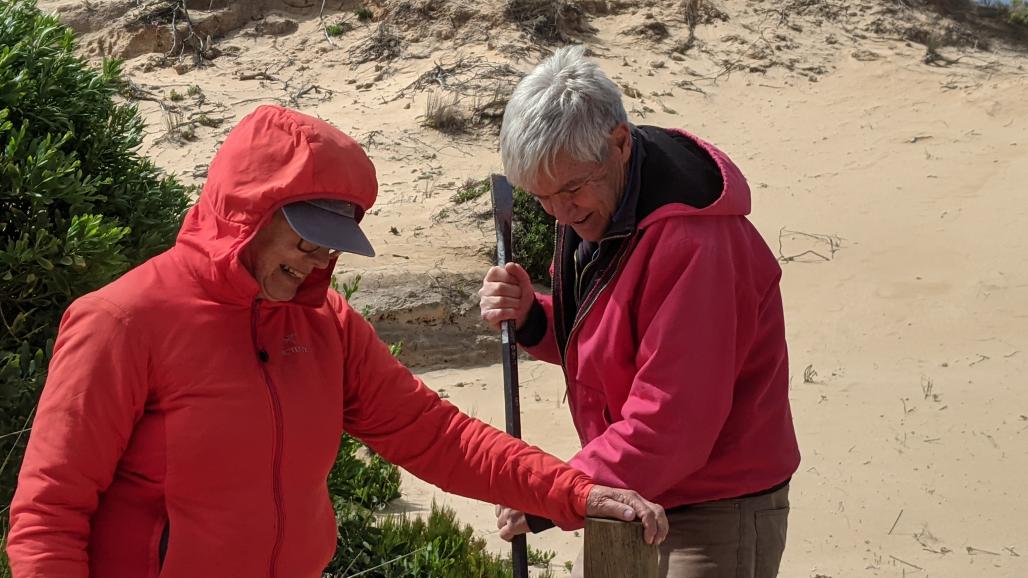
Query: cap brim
point(327, 229)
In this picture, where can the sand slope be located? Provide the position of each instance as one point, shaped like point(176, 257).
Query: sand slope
point(892, 189)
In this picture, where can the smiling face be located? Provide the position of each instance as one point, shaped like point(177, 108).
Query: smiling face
point(275, 259)
point(585, 194)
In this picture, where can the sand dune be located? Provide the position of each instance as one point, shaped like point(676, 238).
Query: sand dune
point(893, 189)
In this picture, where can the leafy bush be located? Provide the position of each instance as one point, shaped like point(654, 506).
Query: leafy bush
point(470, 190)
point(533, 233)
point(78, 204)
point(335, 29)
point(363, 478)
point(364, 14)
point(533, 237)
point(540, 558)
point(402, 546)
point(1018, 12)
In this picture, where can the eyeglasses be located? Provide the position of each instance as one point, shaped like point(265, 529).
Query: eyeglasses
point(310, 248)
point(596, 174)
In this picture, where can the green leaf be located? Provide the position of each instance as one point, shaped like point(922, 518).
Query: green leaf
point(80, 204)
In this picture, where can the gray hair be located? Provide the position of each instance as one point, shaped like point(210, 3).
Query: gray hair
point(565, 104)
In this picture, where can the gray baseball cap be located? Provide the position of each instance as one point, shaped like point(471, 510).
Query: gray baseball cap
point(329, 223)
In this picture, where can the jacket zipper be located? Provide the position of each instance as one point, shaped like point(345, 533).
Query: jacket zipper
point(276, 406)
point(588, 302)
point(594, 294)
point(579, 275)
point(558, 293)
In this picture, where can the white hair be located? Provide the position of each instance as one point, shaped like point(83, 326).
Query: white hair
point(565, 104)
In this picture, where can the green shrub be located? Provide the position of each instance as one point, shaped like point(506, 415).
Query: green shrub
point(402, 546)
point(534, 237)
point(78, 205)
point(540, 558)
point(363, 478)
point(1018, 12)
point(470, 190)
point(364, 14)
point(533, 233)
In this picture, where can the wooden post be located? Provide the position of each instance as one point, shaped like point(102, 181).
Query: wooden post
point(615, 549)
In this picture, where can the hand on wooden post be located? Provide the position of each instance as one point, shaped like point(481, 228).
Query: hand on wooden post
point(603, 502)
point(626, 505)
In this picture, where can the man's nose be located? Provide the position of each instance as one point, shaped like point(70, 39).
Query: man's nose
point(563, 210)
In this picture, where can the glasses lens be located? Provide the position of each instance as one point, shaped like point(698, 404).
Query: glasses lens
point(310, 248)
point(306, 247)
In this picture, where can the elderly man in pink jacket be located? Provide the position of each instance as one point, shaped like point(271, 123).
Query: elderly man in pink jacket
point(665, 314)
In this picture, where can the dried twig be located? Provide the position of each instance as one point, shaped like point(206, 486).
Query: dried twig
point(464, 76)
point(810, 374)
point(901, 561)
point(324, 27)
point(833, 242)
point(689, 85)
point(898, 516)
point(924, 537)
point(256, 76)
point(903, 400)
point(260, 99)
point(369, 139)
point(199, 46)
point(971, 550)
point(24, 428)
point(295, 98)
point(382, 45)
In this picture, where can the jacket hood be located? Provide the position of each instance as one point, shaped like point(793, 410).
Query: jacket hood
point(734, 198)
point(273, 157)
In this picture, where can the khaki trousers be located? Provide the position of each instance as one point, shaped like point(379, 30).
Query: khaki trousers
point(741, 538)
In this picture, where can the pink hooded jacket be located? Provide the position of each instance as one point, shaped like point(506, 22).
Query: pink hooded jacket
point(676, 363)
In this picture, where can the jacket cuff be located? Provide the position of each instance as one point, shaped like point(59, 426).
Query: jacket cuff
point(538, 524)
point(534, 329)
point(579, 504)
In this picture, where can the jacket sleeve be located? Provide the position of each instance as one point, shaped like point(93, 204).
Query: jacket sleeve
point(537, 337)
point(683, 387)
point(409, 425)
point(94, 394)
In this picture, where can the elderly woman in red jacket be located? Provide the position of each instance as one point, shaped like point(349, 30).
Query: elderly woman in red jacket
point(665, 314)
point(194, 407)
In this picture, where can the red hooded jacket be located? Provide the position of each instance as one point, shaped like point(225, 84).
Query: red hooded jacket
point(675, 359)
point(187, 428)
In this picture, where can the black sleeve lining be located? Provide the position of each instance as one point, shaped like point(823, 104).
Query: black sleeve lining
point(534, 328)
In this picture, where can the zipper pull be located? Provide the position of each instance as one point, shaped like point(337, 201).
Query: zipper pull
point(263, 355)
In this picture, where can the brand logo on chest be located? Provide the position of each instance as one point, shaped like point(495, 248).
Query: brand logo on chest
point(290, 345)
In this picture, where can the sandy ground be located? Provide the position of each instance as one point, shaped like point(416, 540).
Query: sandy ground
point(892, 189)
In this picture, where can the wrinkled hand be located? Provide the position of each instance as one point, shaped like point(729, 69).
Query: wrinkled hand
point(626, 505)
point(603, 502)
point(506, 294)
point(510, 522)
